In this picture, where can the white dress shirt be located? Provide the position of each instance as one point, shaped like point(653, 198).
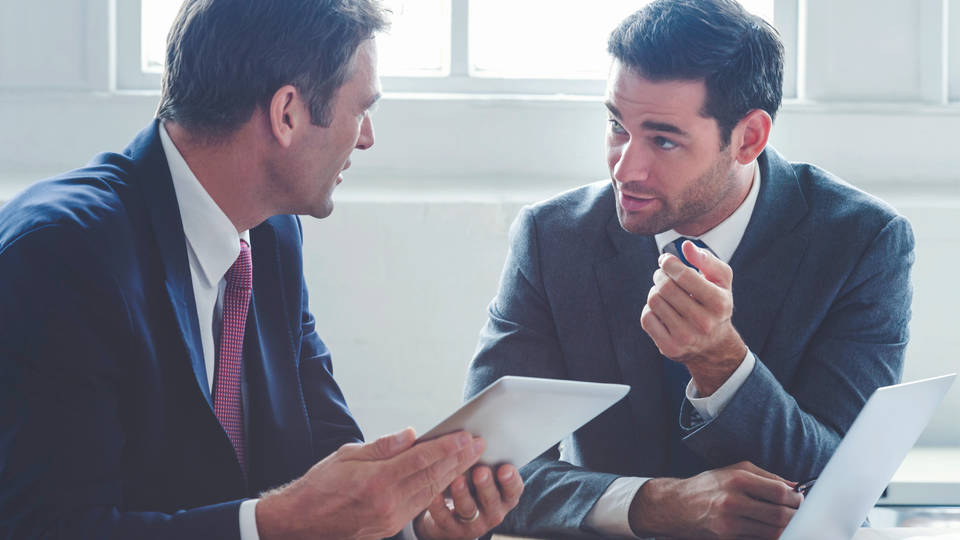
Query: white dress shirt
point(213, 245)
point(610, 515)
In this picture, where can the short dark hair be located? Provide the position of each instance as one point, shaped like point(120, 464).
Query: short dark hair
point(227, 57)
point(738, 55)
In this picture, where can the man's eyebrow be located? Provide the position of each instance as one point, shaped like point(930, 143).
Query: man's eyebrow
point(649, 124)
point(663, 126)
point(613, 110)
point(373, 101)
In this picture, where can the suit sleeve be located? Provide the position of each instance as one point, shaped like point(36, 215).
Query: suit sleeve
point(793, 430)
point(520, 338)
point(331, 423)
point(64, 338)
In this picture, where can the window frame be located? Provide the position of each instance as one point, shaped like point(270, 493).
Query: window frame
point(130, 75)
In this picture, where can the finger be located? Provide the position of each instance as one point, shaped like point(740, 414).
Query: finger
point(511, 485)
point(426, 484)
point(427, 454)
point(660, 277)
point(712, 268)
point(765, 516)
point(487, 493)
point(463, 503)
point(672, 321)
point(385, 447)
point(750, 467)
point(441, 514)
point(691, 282)
point(653, 326)
point(681, 301)
point(774, 492)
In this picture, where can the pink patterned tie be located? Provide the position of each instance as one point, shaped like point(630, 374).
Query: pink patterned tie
point(227, 398)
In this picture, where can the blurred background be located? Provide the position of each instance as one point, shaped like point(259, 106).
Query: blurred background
point(493, 104)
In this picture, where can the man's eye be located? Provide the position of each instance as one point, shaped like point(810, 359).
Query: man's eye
point(664, 143)
point(615, 126)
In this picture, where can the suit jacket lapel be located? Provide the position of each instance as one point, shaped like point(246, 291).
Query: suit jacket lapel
point(625, 279)
point(164, 213)
point(278, 427)
point(770, 252)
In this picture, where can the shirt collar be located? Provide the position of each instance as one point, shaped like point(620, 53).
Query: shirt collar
point(725, 237)
point(209, 232)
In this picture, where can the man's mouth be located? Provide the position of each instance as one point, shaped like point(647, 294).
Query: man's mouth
point(340, 176)
point(635, 202)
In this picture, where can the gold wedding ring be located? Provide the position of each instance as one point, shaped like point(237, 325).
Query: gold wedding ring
point(471, 519)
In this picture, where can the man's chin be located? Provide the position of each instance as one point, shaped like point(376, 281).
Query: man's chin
point(646, 226)
point(320, 210)
point(324, 212)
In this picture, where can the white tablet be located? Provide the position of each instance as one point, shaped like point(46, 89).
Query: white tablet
point(521, 417)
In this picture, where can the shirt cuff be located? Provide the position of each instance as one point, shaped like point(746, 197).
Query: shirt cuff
point(248, 520)
point(610, 516)
point(710, 407)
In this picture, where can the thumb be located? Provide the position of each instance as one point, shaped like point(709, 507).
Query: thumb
point(712, 268)
point(750, 467)
point(387, 446)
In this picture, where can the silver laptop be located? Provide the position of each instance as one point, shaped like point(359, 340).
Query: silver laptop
point(872, 450)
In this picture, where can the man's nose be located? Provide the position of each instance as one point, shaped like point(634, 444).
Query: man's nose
point(634, 163)
point(366, 134)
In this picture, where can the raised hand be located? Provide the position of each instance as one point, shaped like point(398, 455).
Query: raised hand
point(688, 316)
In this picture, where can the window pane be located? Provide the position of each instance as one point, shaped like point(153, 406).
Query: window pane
point(156, 16)
point(418, 43)
point(953, 54)
point(549, 39)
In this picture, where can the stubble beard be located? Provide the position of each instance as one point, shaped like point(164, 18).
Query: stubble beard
point(702, 196)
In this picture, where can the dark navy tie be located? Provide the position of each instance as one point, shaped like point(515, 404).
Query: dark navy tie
point(681, 461)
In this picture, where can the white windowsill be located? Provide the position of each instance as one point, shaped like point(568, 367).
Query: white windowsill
point(928, 476)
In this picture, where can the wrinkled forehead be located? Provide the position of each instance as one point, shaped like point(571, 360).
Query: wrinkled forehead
point(630, 93)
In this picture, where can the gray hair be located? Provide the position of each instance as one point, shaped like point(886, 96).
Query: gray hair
point(225, 58)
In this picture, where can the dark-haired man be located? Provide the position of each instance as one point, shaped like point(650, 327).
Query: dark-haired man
point(159, 365)
point(751, 303)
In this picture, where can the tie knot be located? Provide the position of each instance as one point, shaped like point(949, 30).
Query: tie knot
point(676, 248)
point(240, 275)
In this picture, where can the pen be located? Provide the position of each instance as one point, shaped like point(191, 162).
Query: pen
point(804, 487)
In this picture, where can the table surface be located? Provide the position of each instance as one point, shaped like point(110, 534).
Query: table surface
point(900, 533)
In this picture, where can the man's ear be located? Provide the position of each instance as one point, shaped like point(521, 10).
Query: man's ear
point(286, 113)
point(750, 135)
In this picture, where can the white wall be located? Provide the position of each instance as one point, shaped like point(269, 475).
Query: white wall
point(401, 273)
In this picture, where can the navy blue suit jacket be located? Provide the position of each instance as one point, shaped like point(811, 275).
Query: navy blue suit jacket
point(106, 423)
point(821, 287)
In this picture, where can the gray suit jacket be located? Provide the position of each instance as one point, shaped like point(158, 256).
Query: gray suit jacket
point(822, 297)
